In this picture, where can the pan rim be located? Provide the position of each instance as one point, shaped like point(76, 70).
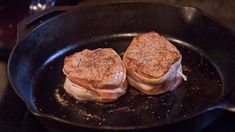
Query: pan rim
point(203, 110)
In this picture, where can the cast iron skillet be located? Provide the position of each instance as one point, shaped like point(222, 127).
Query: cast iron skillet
point(207, 46)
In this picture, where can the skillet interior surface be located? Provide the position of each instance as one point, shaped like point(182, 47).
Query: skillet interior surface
point(203, 88)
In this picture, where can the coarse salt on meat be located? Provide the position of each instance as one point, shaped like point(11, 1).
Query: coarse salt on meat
point(153, 64)
point(95, 75)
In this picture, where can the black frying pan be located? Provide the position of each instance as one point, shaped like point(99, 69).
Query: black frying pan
point(207, 46)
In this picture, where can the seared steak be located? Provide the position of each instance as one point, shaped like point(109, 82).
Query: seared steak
point(153, 64)
point(97, 75)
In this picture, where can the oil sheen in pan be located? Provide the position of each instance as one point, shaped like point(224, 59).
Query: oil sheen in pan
point(204, 87)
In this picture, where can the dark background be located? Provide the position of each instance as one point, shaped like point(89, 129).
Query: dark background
point(13, 114)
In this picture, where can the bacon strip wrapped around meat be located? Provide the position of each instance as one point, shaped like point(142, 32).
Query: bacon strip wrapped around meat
point(153, 64)
point(95, 75)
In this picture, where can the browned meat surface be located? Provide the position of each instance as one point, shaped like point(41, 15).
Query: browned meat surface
point(153, 64)
point(95, 75)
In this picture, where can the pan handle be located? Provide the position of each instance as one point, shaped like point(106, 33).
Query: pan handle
point(30, 23)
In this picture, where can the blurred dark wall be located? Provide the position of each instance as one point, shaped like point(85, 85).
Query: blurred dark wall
point(12, 11)
point(224, 10)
